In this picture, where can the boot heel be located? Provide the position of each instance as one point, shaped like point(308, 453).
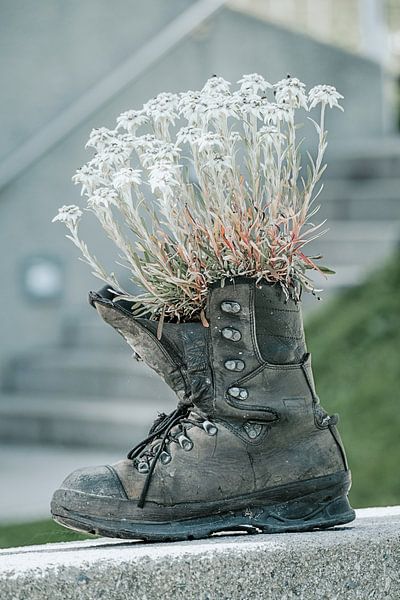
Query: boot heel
point(294, 516)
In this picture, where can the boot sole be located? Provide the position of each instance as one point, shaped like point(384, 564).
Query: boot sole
point(318, 509)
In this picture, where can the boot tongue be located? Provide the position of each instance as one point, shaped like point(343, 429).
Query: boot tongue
point(179, 357)
point(194, 338)
point(163, 356)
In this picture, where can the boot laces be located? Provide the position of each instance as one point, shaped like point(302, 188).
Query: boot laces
point(165, 430)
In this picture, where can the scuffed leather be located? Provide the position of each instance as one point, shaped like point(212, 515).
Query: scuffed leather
point(290, 443)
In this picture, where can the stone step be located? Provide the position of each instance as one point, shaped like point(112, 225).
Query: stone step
point(87, 329)
point(362, 244)
point(364, 158)
point(366, 199)
point(356, 561)
point(79, 422)
point(83, 372)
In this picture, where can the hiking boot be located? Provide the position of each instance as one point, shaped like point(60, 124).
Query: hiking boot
point(249, 446)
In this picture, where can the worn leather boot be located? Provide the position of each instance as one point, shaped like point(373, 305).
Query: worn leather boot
point(249, 446)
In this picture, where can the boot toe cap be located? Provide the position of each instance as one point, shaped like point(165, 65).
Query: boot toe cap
point(98, 481)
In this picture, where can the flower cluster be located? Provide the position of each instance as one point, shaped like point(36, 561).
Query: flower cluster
point(210, 188)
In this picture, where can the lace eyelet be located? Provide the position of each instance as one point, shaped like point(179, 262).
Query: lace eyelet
point(234, 365)
point(231, 334)
point(210, 428)
point(143, 467)
point(185, 443)
point(230, 307)
point(165, 457)
point(239, 393)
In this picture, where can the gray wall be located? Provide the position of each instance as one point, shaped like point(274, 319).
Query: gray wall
point(73, 44)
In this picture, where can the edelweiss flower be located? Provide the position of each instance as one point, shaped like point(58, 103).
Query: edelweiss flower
point(127, 177)
point(100, 138)
point(208, 141)
point(117, 153)
point(217, 107)
point(247, 103)
point(324, 94)
point(132, 119)
point(162, 178)
point(89, 177)
point(216, 85)
point(190, 105)
point(103, 198)
point(271, 133)
point(188, 134)
point(69, 215)
point(254, 83)
point(162, 108)
point(274, 113)
point(159, 152)
point(220, 162)
point(291, 91)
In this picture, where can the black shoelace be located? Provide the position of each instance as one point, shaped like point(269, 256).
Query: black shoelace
point(146, 454)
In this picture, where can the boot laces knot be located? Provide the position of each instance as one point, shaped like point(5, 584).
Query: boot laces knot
point(166, 430)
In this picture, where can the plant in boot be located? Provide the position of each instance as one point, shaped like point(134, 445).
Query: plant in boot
point(213, 188)
point(219, 251)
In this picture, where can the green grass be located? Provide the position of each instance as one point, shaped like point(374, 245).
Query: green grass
point(36, 532)
point(355, 342)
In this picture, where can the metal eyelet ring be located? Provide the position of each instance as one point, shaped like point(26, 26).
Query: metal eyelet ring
point(237, 392)
point(234, 365)
point(165, 457)
point(231, 307)
point(185, 443)
point(210, 428)
point(231, 334)
point(143, 467)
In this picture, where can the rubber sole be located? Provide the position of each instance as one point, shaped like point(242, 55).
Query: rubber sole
point(320, 509)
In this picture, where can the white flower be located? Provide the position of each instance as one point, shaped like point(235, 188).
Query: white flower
point(69, 215)
point(216, 85)
point(247, 103)
point(220, 162)
point(144, 142)
point(162, 108)
point(132, 119)
point(188, 134)
point(274, 113)
point(291, 91)
point(162, 178)
point(324, 94)
point(190, 105)
point(116, 153)
point(159, 152)
point(102, 198)
point(100, 138)
point(217, 107)
point(126, 177)
point(208, 141)
point(89, 177)
point(254, 83)
point(270, 133)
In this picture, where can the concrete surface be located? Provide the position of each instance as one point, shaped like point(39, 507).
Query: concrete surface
point(358, 561)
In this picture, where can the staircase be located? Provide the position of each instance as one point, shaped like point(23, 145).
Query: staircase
point(361, 202)
point(87, 391)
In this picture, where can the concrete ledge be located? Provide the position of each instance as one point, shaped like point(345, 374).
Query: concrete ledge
point(360, 561)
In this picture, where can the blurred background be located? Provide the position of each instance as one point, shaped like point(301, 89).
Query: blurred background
point(70, 392)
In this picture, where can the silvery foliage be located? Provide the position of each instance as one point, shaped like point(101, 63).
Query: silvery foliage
point(212, 188)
